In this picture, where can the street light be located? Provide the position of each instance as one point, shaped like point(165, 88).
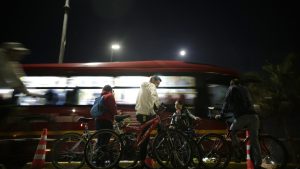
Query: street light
point(182, 53)
point(114, 47)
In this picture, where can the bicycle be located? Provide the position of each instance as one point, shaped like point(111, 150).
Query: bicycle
point(189, 132)
point(217, 148)
point(169, 148)
point(68, 150)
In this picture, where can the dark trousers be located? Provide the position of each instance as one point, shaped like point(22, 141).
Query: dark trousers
point(143, 147)
point(251, 122)
point(103, 124)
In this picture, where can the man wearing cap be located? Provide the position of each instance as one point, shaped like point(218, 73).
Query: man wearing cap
point(10, 73)
point(10, 69)
point(146, 100)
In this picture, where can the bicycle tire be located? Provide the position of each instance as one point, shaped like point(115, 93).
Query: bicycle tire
point(196, 160)
point(129, 157)
point(273, 152)
point(65, 155)
point(170, 156)
point(103, 154)
point(215, 151)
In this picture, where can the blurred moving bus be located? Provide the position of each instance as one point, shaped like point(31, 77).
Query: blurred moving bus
point(69, 90)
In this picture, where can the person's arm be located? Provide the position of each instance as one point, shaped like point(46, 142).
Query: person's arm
point(111, 104)
point(154, 95)
point(172, 123)
point(12, 75)
point(226, 102)
point(191, 115)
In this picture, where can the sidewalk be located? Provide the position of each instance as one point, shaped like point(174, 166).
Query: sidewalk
point(232, 165)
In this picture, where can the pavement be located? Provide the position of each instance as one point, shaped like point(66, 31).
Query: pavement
point(232, 165)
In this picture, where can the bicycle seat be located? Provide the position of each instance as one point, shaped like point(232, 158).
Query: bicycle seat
point(119, 118)
point(84, 119)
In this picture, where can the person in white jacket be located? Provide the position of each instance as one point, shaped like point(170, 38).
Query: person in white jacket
point(147, 97)
point(146, 100)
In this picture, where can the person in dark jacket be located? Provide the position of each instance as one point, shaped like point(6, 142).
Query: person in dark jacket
point(105, 121)
point(238, 101)
point(182, 118)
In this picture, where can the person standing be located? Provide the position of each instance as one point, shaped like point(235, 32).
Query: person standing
point(146, 100)
point(105, 121)
point(238, 101)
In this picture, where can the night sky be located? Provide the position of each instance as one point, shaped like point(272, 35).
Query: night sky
point(242, 35)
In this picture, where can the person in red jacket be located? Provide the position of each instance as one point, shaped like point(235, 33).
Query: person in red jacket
point(105, 121)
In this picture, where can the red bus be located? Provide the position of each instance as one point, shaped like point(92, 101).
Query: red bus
point(70, 90)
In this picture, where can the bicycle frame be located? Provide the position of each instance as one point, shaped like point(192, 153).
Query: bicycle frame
point(141, 136)
point(85, 135)
point(73, 150)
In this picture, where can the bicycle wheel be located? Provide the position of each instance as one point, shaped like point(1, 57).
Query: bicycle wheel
point(274, 153)
point(150, 162)
point(215, 151)
point(172, 149)
point(129, 155)
point(196, 160)
point(68, 151)
point(103, 149)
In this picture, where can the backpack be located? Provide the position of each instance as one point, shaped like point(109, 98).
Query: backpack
point(98, 107)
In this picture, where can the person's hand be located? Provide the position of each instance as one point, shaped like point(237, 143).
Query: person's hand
point(162, 107)
point(197, 118)
point(171, 127)
point(119, 112)
point(218, 116)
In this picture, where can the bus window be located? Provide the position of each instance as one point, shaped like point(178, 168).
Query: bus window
point(217, 94)
point(130, 81)
point(90, 81)
point(82, 90)
point(44, 81)
point(170, 89)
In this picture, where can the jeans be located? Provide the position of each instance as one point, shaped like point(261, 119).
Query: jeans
point(251, 122)
point(103, 124)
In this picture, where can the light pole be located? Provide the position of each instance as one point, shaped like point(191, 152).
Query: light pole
point(114, 47)
point(64, 32)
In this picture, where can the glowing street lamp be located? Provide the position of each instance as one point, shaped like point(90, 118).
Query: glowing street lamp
point(114, 47)
point(182, 53)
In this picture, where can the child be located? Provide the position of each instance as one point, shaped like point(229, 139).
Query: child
point(181, 118)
